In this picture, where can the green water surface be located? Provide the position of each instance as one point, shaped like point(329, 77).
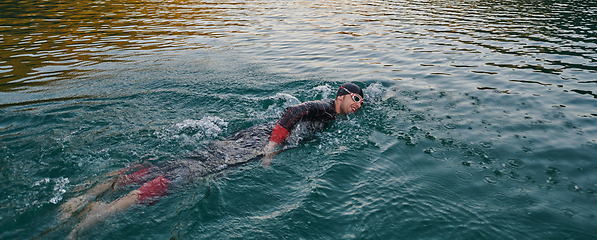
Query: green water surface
point(479, 122)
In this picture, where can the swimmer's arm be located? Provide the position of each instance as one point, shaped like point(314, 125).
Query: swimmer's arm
point(278, 135)
point(269, 153)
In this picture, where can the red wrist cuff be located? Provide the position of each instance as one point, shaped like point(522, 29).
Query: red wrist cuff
point(279, 134)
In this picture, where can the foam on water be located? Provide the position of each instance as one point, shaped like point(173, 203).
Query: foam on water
point(478, 121)
point(208, 126)
point(289, 100)
point(324, 90)
point(57, 190)
point(374, 92)
point(190, 129)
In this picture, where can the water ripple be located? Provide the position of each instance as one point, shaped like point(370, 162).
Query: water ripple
point(479, 119)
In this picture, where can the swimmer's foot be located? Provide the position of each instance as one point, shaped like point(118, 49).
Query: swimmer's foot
point(94, 213)
point(97, 212)
point(73, 205)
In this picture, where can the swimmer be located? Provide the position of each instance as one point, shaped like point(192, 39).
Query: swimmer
point(349, 99)
point(246, 145)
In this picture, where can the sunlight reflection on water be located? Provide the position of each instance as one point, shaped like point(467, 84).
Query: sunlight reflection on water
point(479, 119)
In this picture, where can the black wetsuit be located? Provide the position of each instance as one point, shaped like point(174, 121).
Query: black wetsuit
point(315, 114)
point(241, 147)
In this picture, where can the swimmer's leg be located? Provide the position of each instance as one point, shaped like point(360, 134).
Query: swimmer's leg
point(100, 211)
point(75, 204)
point(118, 179)
point(148, 193)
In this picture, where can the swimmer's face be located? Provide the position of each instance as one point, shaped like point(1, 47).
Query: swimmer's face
point(348, 104)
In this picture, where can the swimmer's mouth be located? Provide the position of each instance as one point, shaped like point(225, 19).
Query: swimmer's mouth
point(354, 110)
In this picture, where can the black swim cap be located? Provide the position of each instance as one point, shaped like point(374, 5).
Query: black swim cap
point(353, 88)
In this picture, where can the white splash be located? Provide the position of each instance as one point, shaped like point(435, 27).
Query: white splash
point(59, 189)
point(207, 126)
point(289, 99)
point(374, 92)
point(325, 91)
point(38, 183)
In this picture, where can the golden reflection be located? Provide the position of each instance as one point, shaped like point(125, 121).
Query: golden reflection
point(46, 40)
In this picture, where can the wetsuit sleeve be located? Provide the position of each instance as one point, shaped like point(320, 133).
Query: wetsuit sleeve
point(315, 111)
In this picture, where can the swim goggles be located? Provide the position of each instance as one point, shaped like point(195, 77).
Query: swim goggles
point(355, 97)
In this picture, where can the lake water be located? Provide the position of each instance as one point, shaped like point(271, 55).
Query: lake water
point(480, 119)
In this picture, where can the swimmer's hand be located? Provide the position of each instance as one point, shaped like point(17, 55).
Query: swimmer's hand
point(269, 153)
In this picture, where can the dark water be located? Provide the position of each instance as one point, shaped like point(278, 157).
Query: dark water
point(480, 119)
